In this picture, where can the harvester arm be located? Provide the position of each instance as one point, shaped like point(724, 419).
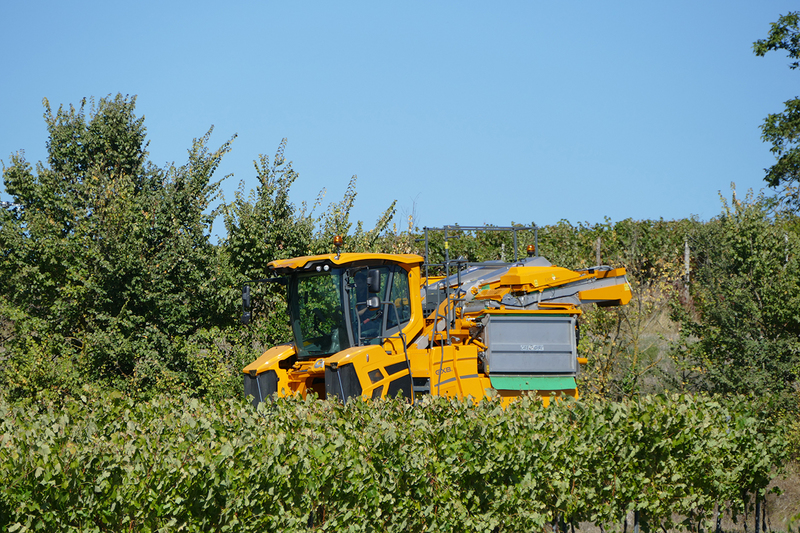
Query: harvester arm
point(533, 288)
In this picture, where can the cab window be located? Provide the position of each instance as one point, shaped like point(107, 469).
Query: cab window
point(373, 325)
point(399, 297)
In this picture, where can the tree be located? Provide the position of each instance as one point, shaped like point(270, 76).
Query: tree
point(265, 225)
point(782, 130)
point(336, 221)
point(108, 261)
point(744, 331)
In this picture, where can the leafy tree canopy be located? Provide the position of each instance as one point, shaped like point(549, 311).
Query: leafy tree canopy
point(108, 259)
point(782, 130)
point(745, 331)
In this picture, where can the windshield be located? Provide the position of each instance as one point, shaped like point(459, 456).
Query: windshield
point(329, 308)
point(318, 319)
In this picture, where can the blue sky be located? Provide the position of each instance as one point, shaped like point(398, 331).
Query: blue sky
point(463, 112)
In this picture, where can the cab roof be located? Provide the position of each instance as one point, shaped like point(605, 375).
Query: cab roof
point(306, 262)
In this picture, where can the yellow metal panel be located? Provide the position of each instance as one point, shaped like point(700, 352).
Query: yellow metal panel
point(539, 276)
point(616, 293)
point(546, 312)
point(342, 259)
point(614, 272)
point(270, 358)
point(355, 354)
point(366, 359)
point(454, 372)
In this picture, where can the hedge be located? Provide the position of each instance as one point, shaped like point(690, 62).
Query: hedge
point(441, 465)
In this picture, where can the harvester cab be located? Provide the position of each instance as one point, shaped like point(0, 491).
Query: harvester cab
point(343, 309)
point(378, 325)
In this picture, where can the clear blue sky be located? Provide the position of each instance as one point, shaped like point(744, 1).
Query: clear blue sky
point(466, 112)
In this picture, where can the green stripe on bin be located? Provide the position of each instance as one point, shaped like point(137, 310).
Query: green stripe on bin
point(542, 383)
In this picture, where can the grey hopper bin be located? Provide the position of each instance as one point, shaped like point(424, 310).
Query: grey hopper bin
point(531, 344)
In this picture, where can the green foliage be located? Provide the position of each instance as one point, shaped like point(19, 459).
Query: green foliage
point(647, 248)
point(336, 221)
point(781, 129)
point(266, 225)
point(112, 253)
point(783, 35)
point(446, 466)
point(745, 332)
point(472, 245)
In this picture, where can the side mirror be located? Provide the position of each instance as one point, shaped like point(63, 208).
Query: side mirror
point(246, 304)
point(374, 281)
point(373, 303)
point(246, 297)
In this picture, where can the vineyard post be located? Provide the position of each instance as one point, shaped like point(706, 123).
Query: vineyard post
point(598, 250)
point(686, 259)
point(559, 524)
point(758, 512)
point(746, 502)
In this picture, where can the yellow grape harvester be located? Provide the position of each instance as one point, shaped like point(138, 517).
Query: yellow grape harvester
point(373, 325)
